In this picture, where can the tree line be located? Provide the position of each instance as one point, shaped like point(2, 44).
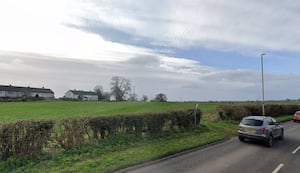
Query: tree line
point(121, 90)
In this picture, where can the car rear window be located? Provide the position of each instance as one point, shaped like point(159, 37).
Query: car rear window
point(252, 122)
point(298, 113)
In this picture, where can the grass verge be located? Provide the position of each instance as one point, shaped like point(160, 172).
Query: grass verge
point(284, 118)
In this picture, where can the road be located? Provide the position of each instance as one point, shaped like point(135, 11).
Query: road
point(233, 156)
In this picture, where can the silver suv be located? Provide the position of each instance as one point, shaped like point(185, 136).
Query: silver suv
point(260, 128)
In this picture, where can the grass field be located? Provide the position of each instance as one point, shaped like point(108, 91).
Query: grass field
point(14, 111)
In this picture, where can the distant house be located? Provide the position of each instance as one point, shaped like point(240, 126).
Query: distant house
point(81, 95)
point(9, 91)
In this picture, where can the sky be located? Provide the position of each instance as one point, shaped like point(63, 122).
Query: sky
point(190, 50)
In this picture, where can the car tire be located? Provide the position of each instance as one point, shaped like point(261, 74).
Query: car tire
point(241, 138)
point(269, 142)
point(282, 135)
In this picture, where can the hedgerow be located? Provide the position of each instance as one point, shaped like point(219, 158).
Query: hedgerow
point(237, 112)
point(24, 137)
point(29, 138)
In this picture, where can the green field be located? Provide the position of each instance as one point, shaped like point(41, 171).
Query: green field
point(14, 111)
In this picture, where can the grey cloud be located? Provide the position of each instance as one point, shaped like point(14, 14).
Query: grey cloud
point(107, 32)
point(144, 61)
point(231, 25)
point(119, 35)
point(147, 76)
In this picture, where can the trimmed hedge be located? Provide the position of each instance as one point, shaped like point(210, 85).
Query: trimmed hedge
point(35, 137)
point(237, 112)
point(24, 138)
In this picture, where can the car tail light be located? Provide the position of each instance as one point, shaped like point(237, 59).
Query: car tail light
point(264, 130)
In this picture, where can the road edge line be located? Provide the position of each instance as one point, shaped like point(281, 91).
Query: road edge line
point(295, 151)
point(278, 168)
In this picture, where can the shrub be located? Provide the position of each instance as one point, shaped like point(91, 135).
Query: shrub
point(71, 132)
point(237, 112)
point(134, 124)
point(230, 112)
point(185, 119)
point(24, 137)
point(155, 123)
point(104, 126)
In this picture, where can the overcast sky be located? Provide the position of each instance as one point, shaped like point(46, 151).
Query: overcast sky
point(188, 49)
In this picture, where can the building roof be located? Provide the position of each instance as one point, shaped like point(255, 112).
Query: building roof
point(79, 92)
point(25, 89)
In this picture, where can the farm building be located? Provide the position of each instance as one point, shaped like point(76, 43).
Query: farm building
point(81, 95)
point(9, 91)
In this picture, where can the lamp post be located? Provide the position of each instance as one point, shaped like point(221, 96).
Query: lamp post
point(262, 83)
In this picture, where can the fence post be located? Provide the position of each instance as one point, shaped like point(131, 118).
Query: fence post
point(195, 115)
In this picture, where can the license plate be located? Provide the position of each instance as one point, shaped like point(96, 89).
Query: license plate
point(248, 130)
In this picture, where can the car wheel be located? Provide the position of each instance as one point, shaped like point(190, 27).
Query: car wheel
point(269, 142)
point(281, 136)
point(241, 138)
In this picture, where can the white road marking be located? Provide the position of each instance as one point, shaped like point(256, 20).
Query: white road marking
point(278, 168)
point(295, 151)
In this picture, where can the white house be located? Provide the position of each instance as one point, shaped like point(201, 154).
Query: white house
point(81, 95)
point(9, 91)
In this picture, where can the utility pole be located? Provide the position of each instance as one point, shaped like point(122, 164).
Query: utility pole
point(262, 83)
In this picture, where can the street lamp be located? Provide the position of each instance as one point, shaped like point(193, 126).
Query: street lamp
point(262, 83)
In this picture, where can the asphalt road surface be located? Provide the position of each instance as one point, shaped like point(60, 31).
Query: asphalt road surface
point(233, 156)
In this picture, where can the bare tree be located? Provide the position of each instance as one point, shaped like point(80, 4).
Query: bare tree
point(120, 88)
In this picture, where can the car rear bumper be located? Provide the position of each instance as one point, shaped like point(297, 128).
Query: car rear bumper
point(253, 137)
point(296, 118)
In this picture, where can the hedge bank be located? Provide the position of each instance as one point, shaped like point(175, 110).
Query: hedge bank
point(237, 112)
point(49, 136)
